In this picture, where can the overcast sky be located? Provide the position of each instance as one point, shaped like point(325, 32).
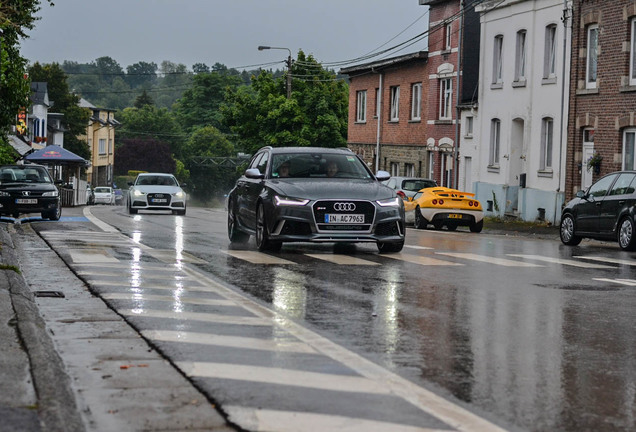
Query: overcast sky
point(227, 32)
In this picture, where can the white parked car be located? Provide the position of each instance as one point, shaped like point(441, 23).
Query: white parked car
point(104, 195)
point(156, 191)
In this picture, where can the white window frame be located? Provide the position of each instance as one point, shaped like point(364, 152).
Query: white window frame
point(395, 169)
point(445, 98)
point(102, 146)
point(547, 142)
point(409, 170)
point(416, 101)
point(549, 62)
point(448, 36)
point(497, 62)
point(520, 59)
point(629, 149)
point(469, 126)
point(495, 141)
point(632, 55)
point(591, 57)
point(395, 104)
point(361, 106)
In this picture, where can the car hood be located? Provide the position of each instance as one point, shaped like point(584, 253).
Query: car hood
point(158, 189)
point(332, 189)
point(44, 187)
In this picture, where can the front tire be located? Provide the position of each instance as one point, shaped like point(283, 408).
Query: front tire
point(263, 243)
point(53, 215)
point(131, 210)
point(566, 231)
point(626, 234)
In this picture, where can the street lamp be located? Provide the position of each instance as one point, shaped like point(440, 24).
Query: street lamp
point(289, 65)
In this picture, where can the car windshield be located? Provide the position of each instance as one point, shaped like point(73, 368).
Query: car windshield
point(415, 185)
point(25, 174)
point(316, 165)
point(156, 180)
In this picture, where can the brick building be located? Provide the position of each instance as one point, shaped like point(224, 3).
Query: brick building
point(602, 91)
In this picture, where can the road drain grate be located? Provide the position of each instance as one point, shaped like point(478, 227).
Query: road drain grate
point(57, 294)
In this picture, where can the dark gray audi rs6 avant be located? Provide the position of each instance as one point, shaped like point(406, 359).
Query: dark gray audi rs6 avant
point(308, 194)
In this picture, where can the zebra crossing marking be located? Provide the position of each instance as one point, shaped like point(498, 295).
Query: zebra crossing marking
point(628, 282)
point(171, 299)
point(488, 259)
point(257, 257)
point(422, 260)
point(562, 261)
point(199, 316)
point(608, 260)
point(342, 259)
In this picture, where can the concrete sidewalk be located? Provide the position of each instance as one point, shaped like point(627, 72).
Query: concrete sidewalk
point(72, 364)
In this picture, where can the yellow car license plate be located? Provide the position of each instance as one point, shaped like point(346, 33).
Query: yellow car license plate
point(454, 216)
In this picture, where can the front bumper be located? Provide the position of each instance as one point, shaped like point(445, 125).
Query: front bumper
point(459, 217)
point(158, 202)
point(9, 206)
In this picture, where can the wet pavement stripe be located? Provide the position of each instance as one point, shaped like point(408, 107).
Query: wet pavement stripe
point(287, 377)
point(257, 257)
point(259, 419)
point(562, 261)
point(198, 316)
point(608, 260)
point(422, 260)
point(628, 282)
point(417, 247)
point(342, 259)
point(487, 259)
point(140, 288)
point(91, 256)
point(276, 345)
point(176, 299)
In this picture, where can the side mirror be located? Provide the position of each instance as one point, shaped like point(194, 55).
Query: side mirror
point(580, 194)
point(382, 175)
point(253, 173)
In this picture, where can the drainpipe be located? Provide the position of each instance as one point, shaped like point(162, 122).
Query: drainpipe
point(378, 104)
point(563, 90)
point(457, 92)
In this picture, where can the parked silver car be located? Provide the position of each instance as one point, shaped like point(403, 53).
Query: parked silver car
point(407, 187)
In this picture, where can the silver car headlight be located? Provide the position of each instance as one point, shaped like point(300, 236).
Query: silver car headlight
point(50, 194)
point(180, 194)
point(137, 193)
point(286, 201)
point(393, 202)
point(3, 193)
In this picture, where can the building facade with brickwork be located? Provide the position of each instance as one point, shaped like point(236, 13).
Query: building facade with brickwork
point(602, 93)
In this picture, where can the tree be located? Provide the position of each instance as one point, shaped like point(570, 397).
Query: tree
point(199, 105)
point(142, 74)
point(150, 122)
point(315, 115)
point(198, 68)
point(16, 18)
point(108, 69)
point(144, 155)
point(75, 119)
point(143, 99)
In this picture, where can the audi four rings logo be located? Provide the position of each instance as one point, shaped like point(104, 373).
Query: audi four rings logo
point(343, 206)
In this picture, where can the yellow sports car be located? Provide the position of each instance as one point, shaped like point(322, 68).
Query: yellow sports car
point(441, 206)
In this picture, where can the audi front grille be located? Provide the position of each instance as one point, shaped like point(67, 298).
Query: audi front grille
point(341, 207)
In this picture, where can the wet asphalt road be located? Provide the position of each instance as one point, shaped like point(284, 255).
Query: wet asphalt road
point(526, 333)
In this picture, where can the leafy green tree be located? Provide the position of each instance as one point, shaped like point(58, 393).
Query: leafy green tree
point(142, 74)
point(146, 154)
point(75, 119)
point(198, 68)
point(315, 115)
point(108, 69)
point(199, 105)
point(16, 18)
point(151, 122)
point(143, 99)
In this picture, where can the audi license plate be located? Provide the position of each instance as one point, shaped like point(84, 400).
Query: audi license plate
point(159, 200)
point(344, 218)
point(26, 201)
point(454, 216)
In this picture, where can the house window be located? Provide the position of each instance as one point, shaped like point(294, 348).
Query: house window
point(497, 71)
point(416, 101)
point(469, 126)
point(592, 57)
point(520, 60)
point(377, 103)
point(395, 169)
point(495, 138)
point(102, 146)
point(547, 128)
point(446, 98)
point(395, 103)
point(632, 51)
point(361, 106)
point(448, 33)
point(549, 61)
point(110, 146)
point(409, 170)
point(629, 157)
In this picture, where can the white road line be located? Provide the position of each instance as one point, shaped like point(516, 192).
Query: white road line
point(198, 316)
point(276, 345)
point(142, 288)
point(288, 377)
point(628, 282)
point(418, 247)
point(171, 299)
point(342, 259)
point(422, 260)
point(490, 260)
point(257, 257)
point(608, 260)
point(562, 261)
point(101, 225)
point(88, 256)
point(259, 419)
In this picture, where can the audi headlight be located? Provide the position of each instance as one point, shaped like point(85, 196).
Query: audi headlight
point(282, 201)
point(393, 202)
point(3, 193)
point(180, 195)
point(137, 193)
point(50, 194)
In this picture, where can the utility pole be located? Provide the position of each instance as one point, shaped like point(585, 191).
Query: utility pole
point(289, 66)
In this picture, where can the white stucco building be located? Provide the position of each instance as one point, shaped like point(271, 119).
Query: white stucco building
point(516, 145)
